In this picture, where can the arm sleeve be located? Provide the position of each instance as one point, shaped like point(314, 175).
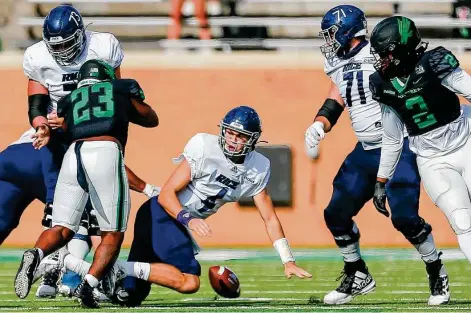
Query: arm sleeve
point(194, 154)
point(29, 68)
point(459, 82)
point(116, 53)
point(392, 142)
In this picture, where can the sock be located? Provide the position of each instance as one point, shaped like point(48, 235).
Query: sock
point(41, 254)
point(79, 245)
point(92, 281)
point(136, 269)
point(465, 244)
point(427, 250)
point(76, 265)
point(351, 252)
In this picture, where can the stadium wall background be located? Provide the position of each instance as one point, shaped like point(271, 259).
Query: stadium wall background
point(191, 94)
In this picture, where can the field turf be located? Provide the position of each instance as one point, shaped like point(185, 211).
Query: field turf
point(402, 285)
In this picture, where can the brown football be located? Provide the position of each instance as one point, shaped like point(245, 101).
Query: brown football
point(224, 281)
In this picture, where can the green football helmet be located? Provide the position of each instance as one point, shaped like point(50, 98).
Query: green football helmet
point(94, 71)
point(397, 46)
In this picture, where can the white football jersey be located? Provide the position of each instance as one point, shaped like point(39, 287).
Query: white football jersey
point(352, 77)
point(215, 180)
point(40, 66)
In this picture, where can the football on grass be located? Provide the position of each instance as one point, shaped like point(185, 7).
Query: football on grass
point(224, 281)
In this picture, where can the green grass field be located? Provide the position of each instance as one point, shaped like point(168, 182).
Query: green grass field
point(402, 285)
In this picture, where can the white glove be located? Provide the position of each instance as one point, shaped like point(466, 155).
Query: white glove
point(151, 191)
point(314, 134)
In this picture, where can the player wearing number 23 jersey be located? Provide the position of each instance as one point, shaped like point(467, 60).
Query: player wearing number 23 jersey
point(350, 66)
point(97, 115)
point(418, 89)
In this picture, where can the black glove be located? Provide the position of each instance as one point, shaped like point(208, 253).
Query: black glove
point(379, 198)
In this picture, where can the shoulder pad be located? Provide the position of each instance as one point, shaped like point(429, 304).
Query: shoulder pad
point(442, 62)
point(129, 87)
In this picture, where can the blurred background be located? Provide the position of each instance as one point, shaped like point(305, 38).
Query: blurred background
point(197, 59)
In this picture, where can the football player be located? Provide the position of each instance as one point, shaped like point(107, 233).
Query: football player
point(96, 118)
point(212, 171)
point(418, 89)
point(51, 66)
point(349, 63)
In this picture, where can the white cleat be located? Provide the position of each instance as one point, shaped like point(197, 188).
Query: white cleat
point(352, 285)
point(438, 283)
point(51, 270)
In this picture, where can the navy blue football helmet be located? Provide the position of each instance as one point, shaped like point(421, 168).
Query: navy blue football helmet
point(64, 34)
point(339, 26)
point(244, 120)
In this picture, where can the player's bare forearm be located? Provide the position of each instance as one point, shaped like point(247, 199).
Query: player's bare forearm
point(323, 120)
point(135, 183)
point(381, 179)
point(179, 179)
point(268, 214)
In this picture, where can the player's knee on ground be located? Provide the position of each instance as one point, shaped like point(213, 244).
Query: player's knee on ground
point(460, 220)
point(415, 229)
point(189, 284)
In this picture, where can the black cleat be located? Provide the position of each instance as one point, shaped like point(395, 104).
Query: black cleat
point(25, 275)
point(86, 298)
point(438, 283)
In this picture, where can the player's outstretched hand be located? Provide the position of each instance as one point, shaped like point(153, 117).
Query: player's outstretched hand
point(41, 136)
point(200, 227)
point(379, 198)
point(314, 134)
point(55, 121)
point(292, 269)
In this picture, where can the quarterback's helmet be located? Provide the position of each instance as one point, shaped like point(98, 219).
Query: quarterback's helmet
point(245, 121)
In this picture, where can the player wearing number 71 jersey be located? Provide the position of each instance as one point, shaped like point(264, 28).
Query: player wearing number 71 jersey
point(349, 64)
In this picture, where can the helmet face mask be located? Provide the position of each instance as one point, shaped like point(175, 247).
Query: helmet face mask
point(331, 46)
point(65, 51)
point(64, 34)
point(239, 132)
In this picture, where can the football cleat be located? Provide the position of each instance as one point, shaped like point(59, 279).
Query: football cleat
point(25, 275)
point(353, 283)
point(85, 296)
point(438, 283)
point(111, 279)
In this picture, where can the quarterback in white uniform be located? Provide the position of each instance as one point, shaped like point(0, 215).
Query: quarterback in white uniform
point(213, 170)
point(349, 64)
point(420, 92)
point(51, 66)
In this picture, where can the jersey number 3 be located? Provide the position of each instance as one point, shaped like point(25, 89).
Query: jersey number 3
point(423, 119)
point(83, 109)
point(350, 77)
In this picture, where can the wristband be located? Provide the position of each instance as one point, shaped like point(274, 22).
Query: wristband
point(282, 247)
point(184, 217)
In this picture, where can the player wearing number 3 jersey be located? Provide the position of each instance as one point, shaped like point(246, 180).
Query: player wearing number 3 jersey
point(97, 115)
point(418, 90)
point(349, 64)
